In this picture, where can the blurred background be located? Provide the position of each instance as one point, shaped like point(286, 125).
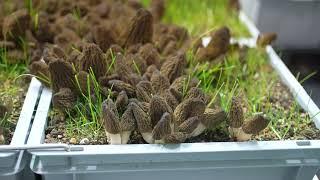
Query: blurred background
point(296, 23)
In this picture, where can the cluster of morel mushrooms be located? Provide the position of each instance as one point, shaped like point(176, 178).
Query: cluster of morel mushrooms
point(137, 58)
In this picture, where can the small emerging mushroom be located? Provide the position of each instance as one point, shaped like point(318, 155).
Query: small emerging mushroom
point(240, 129)
point(265, 39)
point(64, 99)
point(219, 45)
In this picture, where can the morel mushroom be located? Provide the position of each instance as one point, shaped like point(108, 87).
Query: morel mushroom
point(140, 29)
point(243, 130)
point(64, 99)
point(118, 129)
point(218, 45)
point(265, 39)
point(173, 67)
point(157, 9)
point(62, 75)
point(15, 25)
point(93, 59)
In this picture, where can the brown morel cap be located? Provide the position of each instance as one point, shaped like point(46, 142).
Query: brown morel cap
point(142, 119)
point(159, 82)
point(163, 127)
point(64, 100)
point(128, 122)
point(157, 9)
point(177, 137)
point(93, 59)
point(15, 25)
point(255, 125)
point(144, 91)
point(211, 118)
point(189, 125)
point(140, 28)
point(110, 117)
point(119, 86)
point(195, 92)
point(173, 67)
point(62, 75)
point(158, 106)
point(236, 116)
point(122, 101)
point(170, 98)
point(188, 108)
point(265, 39)
point(150, 54)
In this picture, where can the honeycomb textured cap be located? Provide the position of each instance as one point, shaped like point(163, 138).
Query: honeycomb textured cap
point(255, 125)
point(158, 106)
point(128, 122)
point(122, 101)
point(140, 28)
point(142, 119)
point(62, 75)
point(110, 117)
point(93, 59)
point(211, 118)
point(174, 66)
point(236, 116)
point(189, 125)
point(64, 99)
point(163, 127)
point(177, 137)
point(188, 108)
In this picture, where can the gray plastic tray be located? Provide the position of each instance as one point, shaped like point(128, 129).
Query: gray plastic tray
point(12, 163)
point(295, 21)
point(263, 160)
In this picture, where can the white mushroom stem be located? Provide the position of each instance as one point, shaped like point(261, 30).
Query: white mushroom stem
point(147, 136)
point(125, 136)
point(113, 138)
point(239, 134)
point(161, 141)
point(2, 139)
point(199, 129)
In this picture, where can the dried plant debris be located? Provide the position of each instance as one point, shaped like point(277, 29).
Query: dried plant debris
point(219, 45)
point(140, 29)
point(265, 39)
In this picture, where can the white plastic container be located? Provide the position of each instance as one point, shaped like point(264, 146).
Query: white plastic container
point(295, 21)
